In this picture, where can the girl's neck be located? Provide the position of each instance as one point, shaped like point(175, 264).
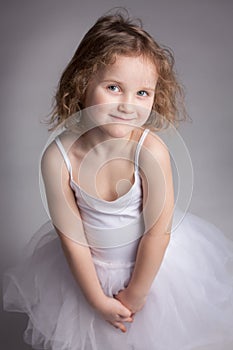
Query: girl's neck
point(101, 141)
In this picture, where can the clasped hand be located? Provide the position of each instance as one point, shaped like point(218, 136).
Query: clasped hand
point(131, 300)
point(115, 313)
point(121, 308)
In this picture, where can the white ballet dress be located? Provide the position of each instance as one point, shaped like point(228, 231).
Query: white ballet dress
point(190, 302)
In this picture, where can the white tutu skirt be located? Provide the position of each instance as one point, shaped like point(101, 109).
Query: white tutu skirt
point(190, 303)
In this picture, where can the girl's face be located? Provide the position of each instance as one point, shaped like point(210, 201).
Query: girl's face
point(123, 95)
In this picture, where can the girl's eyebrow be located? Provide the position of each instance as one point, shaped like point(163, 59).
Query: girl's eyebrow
point(112, 80)
point(120, 83)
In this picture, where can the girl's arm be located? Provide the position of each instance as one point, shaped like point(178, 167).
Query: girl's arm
point(158, 205)
point(68, 224)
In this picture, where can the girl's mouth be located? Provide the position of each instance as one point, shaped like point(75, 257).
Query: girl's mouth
point(121, 118)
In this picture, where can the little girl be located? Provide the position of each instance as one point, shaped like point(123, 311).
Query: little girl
point(109, 271)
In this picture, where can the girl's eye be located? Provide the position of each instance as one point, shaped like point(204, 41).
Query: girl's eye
point(142, 93)
point(114, 88)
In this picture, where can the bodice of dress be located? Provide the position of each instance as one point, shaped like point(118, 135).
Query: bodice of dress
point(113, 228)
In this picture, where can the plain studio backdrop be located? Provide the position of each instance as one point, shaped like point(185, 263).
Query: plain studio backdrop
point(38, 40)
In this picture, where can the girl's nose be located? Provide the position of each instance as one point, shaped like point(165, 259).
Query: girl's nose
point(125, 107)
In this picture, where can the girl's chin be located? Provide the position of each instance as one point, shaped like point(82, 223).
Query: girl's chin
point(117, 130)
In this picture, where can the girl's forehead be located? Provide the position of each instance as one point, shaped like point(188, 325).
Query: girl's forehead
point(133, 67)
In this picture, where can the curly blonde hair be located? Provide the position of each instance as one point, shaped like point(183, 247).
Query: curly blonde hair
point(110, 36)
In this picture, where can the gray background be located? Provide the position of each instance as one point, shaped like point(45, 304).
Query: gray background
point(39, 38)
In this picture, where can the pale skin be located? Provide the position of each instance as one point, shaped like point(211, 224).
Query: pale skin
point(129, 84)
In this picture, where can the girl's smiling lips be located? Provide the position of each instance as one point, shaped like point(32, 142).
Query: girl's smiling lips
point(121, 118)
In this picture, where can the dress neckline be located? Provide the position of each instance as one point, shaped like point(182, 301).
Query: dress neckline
point(118, 199)
point(76, 186)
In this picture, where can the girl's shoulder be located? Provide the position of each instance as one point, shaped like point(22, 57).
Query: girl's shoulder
point(155, 145)
point(155, 162)
point(66, 140)
point(52, 156)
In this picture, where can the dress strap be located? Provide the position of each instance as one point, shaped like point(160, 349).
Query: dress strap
point(64, 154)
point(139, 146)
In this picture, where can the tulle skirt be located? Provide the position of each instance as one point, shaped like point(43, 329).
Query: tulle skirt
point(190, 303)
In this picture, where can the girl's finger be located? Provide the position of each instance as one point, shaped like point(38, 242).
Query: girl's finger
point(126, 319)
point(132, 316)
point(118, 325)
point(124, 312)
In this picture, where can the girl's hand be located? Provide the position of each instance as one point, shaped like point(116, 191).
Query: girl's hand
point(115, 313)
point(131, 300)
